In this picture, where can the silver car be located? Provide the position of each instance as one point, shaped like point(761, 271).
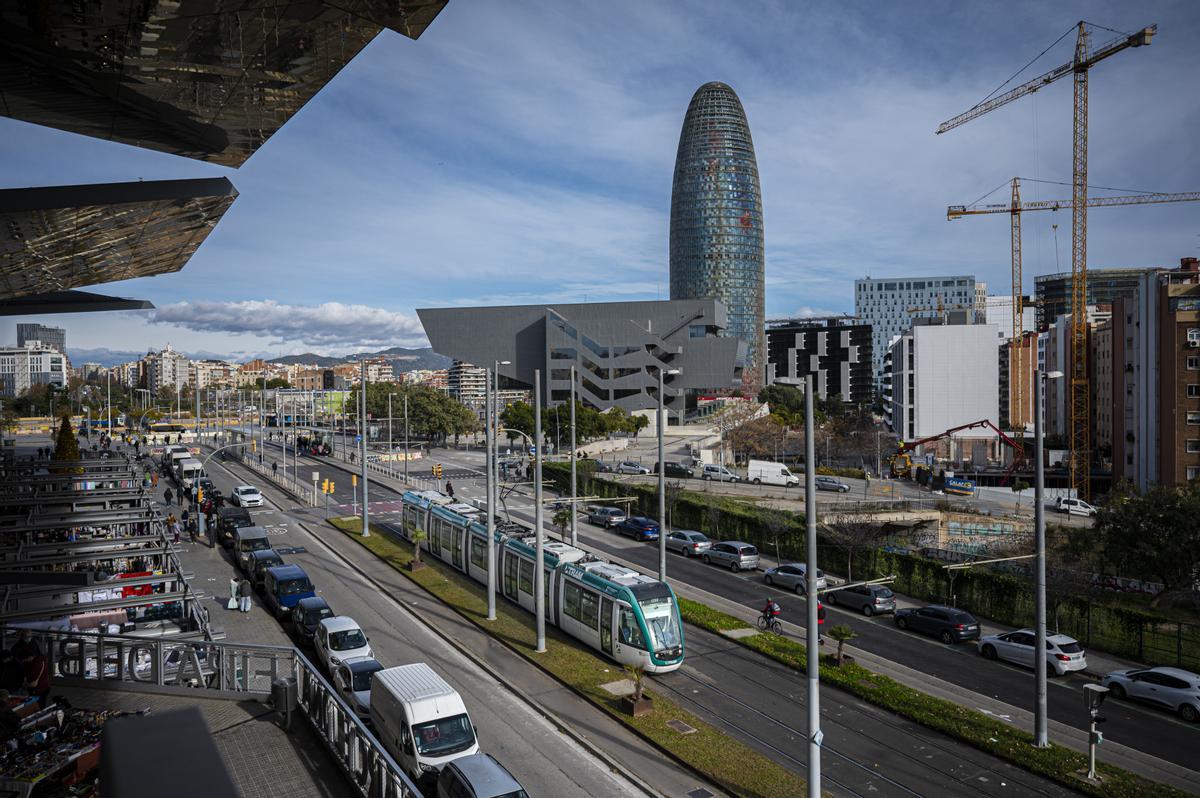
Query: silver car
point(867, 599)
point(793, 576)
point(632, 468)
point(477, 776)
point(732, 554)
point(688, 542)
point(606, 517)
point(1172, 688)
point(830, 483)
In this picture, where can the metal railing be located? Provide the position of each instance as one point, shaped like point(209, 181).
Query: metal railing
point(238, 671)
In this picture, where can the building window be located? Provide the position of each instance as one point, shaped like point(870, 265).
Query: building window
point(1193, 418)
point(1194, 334)
point(1193, 364)
point(1193, 391)
point(1193, 472)
point(1193, 446)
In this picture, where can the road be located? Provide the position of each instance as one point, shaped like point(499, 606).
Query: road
point(870, 751)
point(544, 760)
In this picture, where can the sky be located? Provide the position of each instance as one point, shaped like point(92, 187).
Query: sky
point(522, 152)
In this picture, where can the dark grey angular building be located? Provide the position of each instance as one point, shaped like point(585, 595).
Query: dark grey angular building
point(836, 351)
point(617, 349)
point(717, 218)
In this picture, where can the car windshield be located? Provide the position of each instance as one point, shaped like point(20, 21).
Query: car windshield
point(1070, 648)
point(362, 680)
point(444, 737)
point(255, 544)
point(317, 615)
point(697, 537)
point(344, 641)
point(290, 587)
point(884, 592)
point(269, 562)
point(663, 622)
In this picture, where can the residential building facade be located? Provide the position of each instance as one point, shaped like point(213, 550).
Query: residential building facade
point(889, 306)
point(165, 369)
point(835, 351)
point(716, 242)
point(35, 363)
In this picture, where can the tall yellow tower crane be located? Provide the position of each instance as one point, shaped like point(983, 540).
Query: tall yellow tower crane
point(1014, 209)
point(1085, 58)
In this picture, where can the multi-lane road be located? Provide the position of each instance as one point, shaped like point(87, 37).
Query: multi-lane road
point(759, 702)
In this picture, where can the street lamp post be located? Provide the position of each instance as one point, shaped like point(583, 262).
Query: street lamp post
point(812, 637)
point(493, 483)
point(1041, 737)
point(362, 422)
point(406, 438)
point(539, 570)
point(662, 476)
point(574, 487)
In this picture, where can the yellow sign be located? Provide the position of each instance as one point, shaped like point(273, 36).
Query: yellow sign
point(354, 480)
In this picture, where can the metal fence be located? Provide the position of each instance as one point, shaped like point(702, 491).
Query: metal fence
point(238, 671)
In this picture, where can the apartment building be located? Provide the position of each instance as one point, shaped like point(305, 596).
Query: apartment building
point(165, 369)
point(35, 363)
point(835, 351)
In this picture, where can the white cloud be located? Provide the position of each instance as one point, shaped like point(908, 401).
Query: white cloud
point(331, 325)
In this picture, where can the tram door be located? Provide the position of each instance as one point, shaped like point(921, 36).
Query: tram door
point(606, 615)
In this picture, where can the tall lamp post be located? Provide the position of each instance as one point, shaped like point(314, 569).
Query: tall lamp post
point(539, 569)
point(362, 421)
point(662, 476)
point(1041, 736)
point(574, 486)
point(491, 393)
point(811, 635)
point(391, 462)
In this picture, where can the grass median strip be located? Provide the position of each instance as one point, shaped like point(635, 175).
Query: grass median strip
point(709, 751)
point(1057, 762)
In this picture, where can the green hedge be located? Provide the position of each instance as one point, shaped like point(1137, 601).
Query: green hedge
point(844, 473)
point(992, 736)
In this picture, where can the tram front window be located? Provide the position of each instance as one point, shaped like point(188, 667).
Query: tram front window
point(663, 623)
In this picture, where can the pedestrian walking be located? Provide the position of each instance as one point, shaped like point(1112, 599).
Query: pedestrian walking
point(168, 496)
point(449, 489)
point(154, 480)
point(181, 497)
point(244, 591)
point(274, 469)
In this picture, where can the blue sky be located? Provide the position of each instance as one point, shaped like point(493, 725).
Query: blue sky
point(523, 152)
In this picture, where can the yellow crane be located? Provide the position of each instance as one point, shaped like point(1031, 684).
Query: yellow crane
point(1085, 58)
point(1014, 209)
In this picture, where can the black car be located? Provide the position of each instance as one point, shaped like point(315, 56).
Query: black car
point(308, 613)
point(229, 521)
point(260, 561)
point(676, 470)
point(948, 624)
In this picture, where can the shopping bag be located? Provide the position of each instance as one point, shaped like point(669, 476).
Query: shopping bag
point(232, 604)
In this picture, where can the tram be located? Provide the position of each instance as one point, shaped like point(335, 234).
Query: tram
point(615, 610)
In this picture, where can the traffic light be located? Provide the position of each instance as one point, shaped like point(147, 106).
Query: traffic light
point(199, 495)
point(437, 470)
point(325, 486)
point(332, 488)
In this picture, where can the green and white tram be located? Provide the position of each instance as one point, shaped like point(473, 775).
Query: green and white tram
point(630, 617)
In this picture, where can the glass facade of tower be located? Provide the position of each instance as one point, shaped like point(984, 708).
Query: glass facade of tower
point(716, 218)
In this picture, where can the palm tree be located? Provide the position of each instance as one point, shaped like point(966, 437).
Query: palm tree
point(842, 634)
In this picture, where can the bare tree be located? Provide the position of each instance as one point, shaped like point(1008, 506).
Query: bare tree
point(674, 490)
point(852, 533)
point(778, 523)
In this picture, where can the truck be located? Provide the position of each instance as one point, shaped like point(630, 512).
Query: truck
point(187, 471)
point(764, 472)
point(420, 719)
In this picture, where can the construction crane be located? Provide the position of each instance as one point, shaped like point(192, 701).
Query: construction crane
point(1085, 58)
point(902, 452)
point(1014, 209)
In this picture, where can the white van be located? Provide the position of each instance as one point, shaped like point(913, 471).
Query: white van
point(172, 466)
point(764, 472)
point(165, 460)
point(187, 471)
point(420, 719)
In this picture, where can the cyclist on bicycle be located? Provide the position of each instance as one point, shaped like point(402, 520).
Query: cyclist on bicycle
point(771, 611)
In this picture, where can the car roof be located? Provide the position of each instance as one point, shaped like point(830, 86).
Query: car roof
point(485, 774)
point(1178, 673)
point(364, 665)
point(738, 543)
point(340, 623)
point(313, 603)
point(690, 532)
point(263, 554)
point(245, 487)
point(230, 511)
point(641, 519)
point(287, 571)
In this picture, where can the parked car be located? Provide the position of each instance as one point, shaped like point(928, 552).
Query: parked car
point(229, 521)
point(793, 576)
point(211, 492)
point(629, 467)
point(831, 483)
point(352, 680)
point(718, 472)
point(639, 528)
point(948, 624)
point(285, 586)
point(478, 776)
point(308, 613)
point(1063, 654)
point(1173, 688)
point(246, 496)
point(259, 562)
point(339, 639)
point(1073, 506)
point(606, 517)
point(733, 554)
point(867, 599)
point(675, 470)
point(766, 472)
point(688, 542)
point(603, 467)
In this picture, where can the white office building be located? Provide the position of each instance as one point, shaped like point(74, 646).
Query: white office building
point(35, 363)
point(943, 376)
point(890, 304)
point(998, 311)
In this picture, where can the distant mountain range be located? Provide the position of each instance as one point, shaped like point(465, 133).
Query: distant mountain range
point(402, 359)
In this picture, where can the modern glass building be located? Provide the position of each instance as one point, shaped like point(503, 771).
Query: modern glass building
point(717, 220)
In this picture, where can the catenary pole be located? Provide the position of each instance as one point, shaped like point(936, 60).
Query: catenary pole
point(662, 485)
point(539, 570)
point(362, 422)
point(574, 483)
point(811, 633)
point(1041, 735)
point(488, 439)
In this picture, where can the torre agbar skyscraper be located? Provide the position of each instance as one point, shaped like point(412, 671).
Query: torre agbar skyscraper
point(717, 221)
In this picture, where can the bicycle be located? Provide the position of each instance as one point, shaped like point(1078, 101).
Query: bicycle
point(771, 624)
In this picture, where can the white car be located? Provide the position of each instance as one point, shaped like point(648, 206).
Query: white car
point(352, 680)
point(339, 639)
point(1073, 506)
point(246, 496)
point(1173, 688)
point(632, 468)
point(1063, 654)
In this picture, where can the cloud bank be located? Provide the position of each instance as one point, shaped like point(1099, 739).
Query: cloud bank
point(332, 325)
